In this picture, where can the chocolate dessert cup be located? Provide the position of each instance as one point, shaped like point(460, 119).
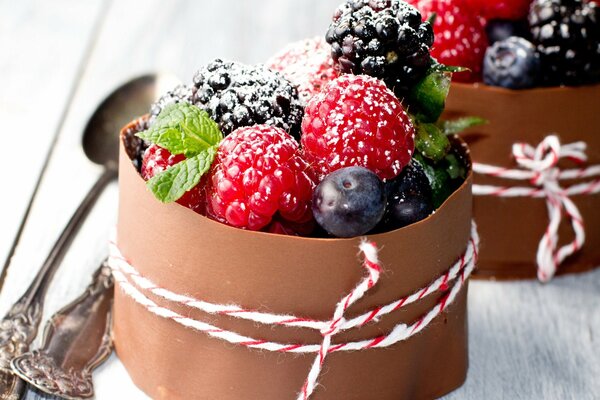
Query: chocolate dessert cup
point(511, 228)
point(190, 254)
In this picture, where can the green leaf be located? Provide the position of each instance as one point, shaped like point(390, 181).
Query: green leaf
point(449, 68)
point(429, 95)
point(431, 142)
point(432, 18)
point(439, 180)
point(455, 169)
point(451, 127)
point(183, 128)
point(171, 184)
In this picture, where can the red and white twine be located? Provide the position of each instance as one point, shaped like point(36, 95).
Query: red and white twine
point(539, 166)
point(133, 283)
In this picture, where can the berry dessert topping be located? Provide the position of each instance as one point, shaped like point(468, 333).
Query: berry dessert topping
point(237, 95)
point(260, 175)
point(180, 93)
point(409, 198)
point(382, 38)
point(357, 121)
point(307, 64)
point(567, 36)
point(157, 160)
point(186, 142)
point(512, 63)
point(349, 202)
point(460, 38)
point(500, 29)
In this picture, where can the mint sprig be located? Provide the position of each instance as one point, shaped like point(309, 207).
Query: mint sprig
point(185, 129)
point(451, 127)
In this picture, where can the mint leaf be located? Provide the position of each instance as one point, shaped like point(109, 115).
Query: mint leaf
point(183, 128)
point(451, 127)
point(439, 179)
point(172, 183)
point(449, 68)
point(429, 95)
point(455, 169)
point(431, 142)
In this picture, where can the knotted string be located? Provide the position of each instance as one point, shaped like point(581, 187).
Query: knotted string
point(539, 165)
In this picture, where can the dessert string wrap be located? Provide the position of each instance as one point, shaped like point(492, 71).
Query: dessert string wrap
point(539, 166)
point(133, 284)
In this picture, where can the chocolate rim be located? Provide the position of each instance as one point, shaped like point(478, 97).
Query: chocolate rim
point(516, 92)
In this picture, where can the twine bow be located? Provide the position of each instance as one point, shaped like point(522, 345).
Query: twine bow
point(539, 166)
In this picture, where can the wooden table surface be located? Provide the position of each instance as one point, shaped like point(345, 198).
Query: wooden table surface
point(59, 59)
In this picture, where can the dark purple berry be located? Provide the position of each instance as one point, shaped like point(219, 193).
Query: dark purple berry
point(181, 93)
point(410, 198)
point(349, 202)
point(237, 95)
point(383, 38)
point(567, 36)
point(512, 63)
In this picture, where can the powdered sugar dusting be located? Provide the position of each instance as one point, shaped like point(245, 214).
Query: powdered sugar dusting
point(357, 120)
point(307, 64)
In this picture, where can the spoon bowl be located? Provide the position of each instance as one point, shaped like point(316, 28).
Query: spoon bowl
point(134, 98)
point(100, 143)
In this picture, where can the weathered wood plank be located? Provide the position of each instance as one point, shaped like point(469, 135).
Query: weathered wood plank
point(42, 48)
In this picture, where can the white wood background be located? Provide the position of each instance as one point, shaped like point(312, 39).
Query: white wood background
point(59, 59)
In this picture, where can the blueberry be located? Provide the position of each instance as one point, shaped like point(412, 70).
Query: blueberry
point(410, 198)
point(512, 63)
point(349, 202)
point(500, 29)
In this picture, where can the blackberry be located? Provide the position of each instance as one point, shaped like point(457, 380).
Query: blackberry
point(237, 95)
point(382, 38)
point(180, 93)
point(567, 36)
point(512, 63)
point(134, 146)
point(410, 198)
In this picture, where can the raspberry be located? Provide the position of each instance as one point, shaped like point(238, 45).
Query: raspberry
point(382, 38)
point(258, 176)
point(460, 39)
point(307, 64)
point(357, 121)
point(156, 160)
point(499, 9)
point(237, 95)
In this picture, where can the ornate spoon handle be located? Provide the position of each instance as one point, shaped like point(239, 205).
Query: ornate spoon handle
point(20, 325)
point(76, 340)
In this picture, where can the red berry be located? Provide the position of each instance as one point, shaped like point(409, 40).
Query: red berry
point(259, 175)
point(500, 9)
point(357, 121)
point(156, 160)
point(460, 38)
point(307, 64)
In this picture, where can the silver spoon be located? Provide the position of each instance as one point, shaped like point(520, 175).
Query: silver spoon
point(100, 144)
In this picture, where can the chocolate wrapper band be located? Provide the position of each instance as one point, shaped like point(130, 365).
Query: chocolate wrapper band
point(188, 253)
point(511, 228)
